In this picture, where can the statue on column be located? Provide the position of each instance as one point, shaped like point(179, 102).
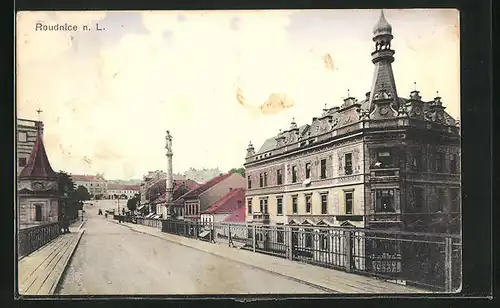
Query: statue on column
point(168, 142)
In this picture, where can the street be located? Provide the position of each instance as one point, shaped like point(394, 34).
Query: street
point(112, 259)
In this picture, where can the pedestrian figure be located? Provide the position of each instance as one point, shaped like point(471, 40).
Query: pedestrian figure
point(65, 224)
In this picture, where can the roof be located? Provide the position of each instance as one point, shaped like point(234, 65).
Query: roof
point(206, 186)
point(189, 184)
point(230, 202)
point(38, 164)
point(238, 215)
point(86, 178)
point(123, 187)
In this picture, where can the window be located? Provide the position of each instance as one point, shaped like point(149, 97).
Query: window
point(384, 200)
point(265, 206)
point(22, 137)
point(440, 200)
point(384, 158)
point(279, 177)
point(22, 161)
point(294, 174)
point(308, 170)
point(294, 204)
point(453, 163)
point(249, 202)
point(455, 200)
point(249, 182)
point(348, 202)
point(418, 197)
point(348, 163)
point(308, 204)
point(324, 204)
point(38, 212)
point(280, 235)
point(323, 169)
point(279, 206)
point(262, 205)
point(439, 162)
point(265, 179)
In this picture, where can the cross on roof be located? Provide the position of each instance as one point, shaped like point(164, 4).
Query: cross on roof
point(39, 111)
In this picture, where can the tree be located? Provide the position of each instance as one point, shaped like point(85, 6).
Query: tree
point(82, 194)
point(132, 204)
point(238, 170)
point(66, 189)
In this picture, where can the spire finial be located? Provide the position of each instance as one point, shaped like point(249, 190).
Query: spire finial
point(39, 111)
point(293, 120)
point(325, 105)
point(437, 93)
point(414, 86)
point(348, 93)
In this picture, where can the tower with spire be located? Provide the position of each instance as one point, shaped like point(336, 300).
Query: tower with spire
point(37, 189)
point(382, 58)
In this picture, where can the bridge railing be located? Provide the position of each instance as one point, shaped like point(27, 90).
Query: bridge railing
point(33, 238)
point(430, 261)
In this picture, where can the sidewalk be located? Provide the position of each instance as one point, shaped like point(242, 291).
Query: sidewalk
point(39, 272)
point(330, 280)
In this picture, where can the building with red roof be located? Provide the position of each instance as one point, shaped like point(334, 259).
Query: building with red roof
point(205, 195)
point(38, 198)
point(225, 207)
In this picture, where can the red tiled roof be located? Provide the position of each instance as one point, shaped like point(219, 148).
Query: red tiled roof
point(230, 202)
point(38, 164)
point(86, 178)
point(238, 215)
point(190, 184)
point(205, 186)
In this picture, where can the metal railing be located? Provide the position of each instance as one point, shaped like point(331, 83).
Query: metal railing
point(33, 238)
point(429, 261)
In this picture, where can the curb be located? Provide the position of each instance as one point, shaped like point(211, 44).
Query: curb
point(328, 290)
point(81, 225)
point(57, 285)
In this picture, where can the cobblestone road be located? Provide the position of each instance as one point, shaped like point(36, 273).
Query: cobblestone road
point(112, 259)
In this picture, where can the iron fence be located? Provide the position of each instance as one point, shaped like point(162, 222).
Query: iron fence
point(33, 238)
point(430, 261)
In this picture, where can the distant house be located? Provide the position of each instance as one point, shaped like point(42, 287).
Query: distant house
point(224, 208)
point(116, 191)
point(95, 184)
point(202, 197)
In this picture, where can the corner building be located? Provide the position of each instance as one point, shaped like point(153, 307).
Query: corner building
point(383, 162)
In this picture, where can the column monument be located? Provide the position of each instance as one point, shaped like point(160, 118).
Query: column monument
point(170, 182)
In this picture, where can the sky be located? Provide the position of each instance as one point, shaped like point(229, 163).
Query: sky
point(214, 79)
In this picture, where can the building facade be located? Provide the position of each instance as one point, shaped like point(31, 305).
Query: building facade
point(38, 197)
point(27, 131)
point(383, 162)
point(95, 184)
point(117, 191)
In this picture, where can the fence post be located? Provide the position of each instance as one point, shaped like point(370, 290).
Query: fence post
point(348, 251)
point(289, 239)
point(254, 237)
point(448, 261)
point(229, 235)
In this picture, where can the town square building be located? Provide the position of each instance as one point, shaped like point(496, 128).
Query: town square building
point(381, 162)
point(95, 184)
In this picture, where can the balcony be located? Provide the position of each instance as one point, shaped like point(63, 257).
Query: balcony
point(384, 217)
point(384, 174)
point(262, 218)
